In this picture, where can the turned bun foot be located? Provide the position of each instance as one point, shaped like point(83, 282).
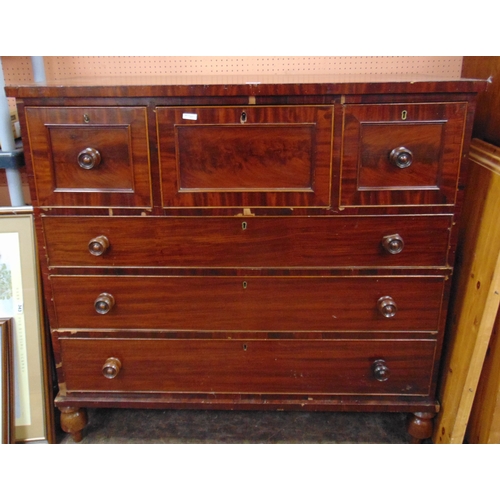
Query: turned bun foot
point(420, 426)
point(73, 421)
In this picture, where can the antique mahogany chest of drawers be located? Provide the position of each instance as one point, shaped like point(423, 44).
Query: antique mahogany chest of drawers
point(245, 245)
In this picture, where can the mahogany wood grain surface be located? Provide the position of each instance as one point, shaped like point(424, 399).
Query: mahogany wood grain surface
point(432, 132)
point(250, 158)
point(57, 137)
point(274, 242)
point(238, 401)
point(245, 156)
point(289, 367)
point(487, 122)
point(224, 242)
point(253, 303)
point(244, 85)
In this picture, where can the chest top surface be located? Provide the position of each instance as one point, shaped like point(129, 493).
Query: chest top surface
point(225, 85)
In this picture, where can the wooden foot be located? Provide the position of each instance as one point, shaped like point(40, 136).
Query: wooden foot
point(420, 426)
point(73, 421)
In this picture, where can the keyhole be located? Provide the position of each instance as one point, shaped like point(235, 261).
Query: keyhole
point(86, 118)
point(245, 284)
point(243, 117)
point(243, 225)
point(404, 115)
point(245, 347)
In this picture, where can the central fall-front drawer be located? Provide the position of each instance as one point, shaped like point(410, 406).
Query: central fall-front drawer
point(253, 366)
point(211, 242)
point(248, 303)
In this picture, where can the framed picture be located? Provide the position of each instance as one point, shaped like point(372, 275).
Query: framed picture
point(20, 301)
point(6, 383)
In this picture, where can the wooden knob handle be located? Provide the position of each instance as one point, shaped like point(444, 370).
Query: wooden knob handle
point(387, 307)
point(380, 370)
point(393, 244)
point(111, 367)
point(104, 303)
point(401, 157)
point(89, 158)
point(98, 245)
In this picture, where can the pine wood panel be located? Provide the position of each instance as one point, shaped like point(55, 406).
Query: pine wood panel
point(477, 294)
point(484, 422)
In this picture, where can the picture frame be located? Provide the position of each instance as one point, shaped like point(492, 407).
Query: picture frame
point(6, 383)
point(20, 300)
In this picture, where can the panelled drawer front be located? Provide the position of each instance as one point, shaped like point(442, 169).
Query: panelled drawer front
point(402, 154)
point(245, 156)
point(92, 156)
point(248, 304)
point(218, 242)
point(270, 366)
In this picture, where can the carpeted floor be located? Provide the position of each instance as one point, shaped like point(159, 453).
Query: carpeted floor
point(120, 426)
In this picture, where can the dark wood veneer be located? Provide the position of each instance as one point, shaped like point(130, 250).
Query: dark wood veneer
point(57, 137)
point(246, 156)
point(245, 226)
point(250, 366)
point(238, 242)
point(245, 85)
point(254, 303)
point(432, 132)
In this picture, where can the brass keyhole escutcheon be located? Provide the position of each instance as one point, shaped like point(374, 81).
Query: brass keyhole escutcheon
point(243, 117)
point(404, 114)
point(245, 285)
point(245, 347)
point(244, 225)
point(86, 118)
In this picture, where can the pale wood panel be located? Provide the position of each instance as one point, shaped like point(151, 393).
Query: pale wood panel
point(484, 423)
point(478, 294)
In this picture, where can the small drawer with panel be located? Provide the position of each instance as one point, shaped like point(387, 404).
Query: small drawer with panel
point(401, 154)
point(251, 156)
point(90, 157)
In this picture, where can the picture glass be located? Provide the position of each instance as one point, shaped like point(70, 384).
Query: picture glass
point(12, 306)
point(19, 300)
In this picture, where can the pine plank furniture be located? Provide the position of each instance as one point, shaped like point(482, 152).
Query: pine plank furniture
point(243, 243)
point(484, 421)
point(474, 309)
